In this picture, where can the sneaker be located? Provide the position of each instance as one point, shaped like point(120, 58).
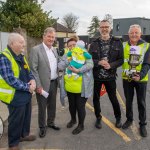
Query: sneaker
point(98, 124)
point(71, 123)
point(78, 129)
point(118, 123)
point(143, 131)
point(127, 124)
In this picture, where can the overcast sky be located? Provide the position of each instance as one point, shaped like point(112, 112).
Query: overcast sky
point(86, 9)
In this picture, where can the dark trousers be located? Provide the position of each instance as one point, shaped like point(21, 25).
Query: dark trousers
point(111, 90)
point(48, 104)
point(141, 96)
point(18, 123)
point(77, 104)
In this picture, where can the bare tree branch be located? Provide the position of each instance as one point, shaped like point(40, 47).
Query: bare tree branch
point(70, 21)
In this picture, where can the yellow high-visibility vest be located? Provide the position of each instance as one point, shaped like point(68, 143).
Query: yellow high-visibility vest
point(126, 67)
point(7, 92)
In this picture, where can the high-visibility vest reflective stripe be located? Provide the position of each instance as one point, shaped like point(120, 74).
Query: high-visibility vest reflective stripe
point(126, 67)
point(7, 92)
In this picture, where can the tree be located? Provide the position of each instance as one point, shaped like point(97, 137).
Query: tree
point(109, 18)
point(26, 14)
point(70, 21)
point(93, 28)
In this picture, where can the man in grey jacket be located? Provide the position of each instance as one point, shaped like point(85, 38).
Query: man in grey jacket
point(43, 62)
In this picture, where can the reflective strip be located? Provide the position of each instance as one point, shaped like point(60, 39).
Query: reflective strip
point(6, 91)
point(78, 61)
point(1, 77)
point(125, 70)
point(126, 60)
point(124, 44)
point(143, 51)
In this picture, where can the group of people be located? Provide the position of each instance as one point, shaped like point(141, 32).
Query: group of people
point(96, 67)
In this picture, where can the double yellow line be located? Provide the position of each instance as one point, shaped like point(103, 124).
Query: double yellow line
point(134, 128)
point(112, 126)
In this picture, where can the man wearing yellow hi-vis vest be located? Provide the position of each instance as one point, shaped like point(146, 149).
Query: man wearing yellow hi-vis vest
point(16, 87)
point(135, 76)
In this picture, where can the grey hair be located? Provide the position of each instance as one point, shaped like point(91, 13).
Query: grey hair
point(49, 30)
point(135, 26)
point(13, 37)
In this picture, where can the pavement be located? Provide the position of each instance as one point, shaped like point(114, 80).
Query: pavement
point(107, 138)
point(3, 111)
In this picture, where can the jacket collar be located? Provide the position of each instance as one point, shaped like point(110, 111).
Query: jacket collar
point(141, 41)
point(16, 57)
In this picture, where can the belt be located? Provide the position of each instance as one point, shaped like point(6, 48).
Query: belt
point(53, 80)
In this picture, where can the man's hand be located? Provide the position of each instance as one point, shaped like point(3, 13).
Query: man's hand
point(39, 90)
point(32, 85)
point(102, 62)
point(31, 89)
point(105, 64)
point(73, 69)
point(136, 77)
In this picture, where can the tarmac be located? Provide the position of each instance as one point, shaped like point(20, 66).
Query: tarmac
point(91, 138)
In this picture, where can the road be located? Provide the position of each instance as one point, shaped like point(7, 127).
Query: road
point(107, 138)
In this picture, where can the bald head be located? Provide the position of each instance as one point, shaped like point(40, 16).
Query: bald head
point(16, 42)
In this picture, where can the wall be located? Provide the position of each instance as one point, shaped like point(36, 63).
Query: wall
point(123, 25)
point(3, 40)
point(31, 42)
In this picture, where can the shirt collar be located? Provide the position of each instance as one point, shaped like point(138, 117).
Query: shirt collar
point(141, 41)
point(47, 48)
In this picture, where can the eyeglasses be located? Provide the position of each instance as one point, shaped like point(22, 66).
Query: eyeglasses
point(102, 27)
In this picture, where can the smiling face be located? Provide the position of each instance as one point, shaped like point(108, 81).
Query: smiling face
point(134, 34)
point(49, 38)
point(104, 29)
point(71, 44)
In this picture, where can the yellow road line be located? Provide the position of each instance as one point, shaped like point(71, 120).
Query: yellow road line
point(43, 149)
point(111, 125)
point(134, 128)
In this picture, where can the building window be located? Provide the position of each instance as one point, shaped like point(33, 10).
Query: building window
point(144, 30)
point(117, 27)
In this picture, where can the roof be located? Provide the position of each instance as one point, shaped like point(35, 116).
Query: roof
point(60, 28)
point(143, 18)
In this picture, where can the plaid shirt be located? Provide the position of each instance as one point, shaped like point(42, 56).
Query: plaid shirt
point(7, 74)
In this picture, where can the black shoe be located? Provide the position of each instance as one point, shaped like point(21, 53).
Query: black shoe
point(78, 129)
point(28, 138)
point(98, 124)
point(127, 124)
point(71, 124)
point(143, 131)
point(42, 132)
point(53, 126)
point(118, 123)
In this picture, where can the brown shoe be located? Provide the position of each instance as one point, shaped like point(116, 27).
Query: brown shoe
point(14, 148)
point(28, 138)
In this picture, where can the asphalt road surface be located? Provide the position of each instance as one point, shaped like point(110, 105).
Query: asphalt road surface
point(107, 138)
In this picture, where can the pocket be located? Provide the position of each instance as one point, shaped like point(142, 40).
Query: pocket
point(114, 53)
